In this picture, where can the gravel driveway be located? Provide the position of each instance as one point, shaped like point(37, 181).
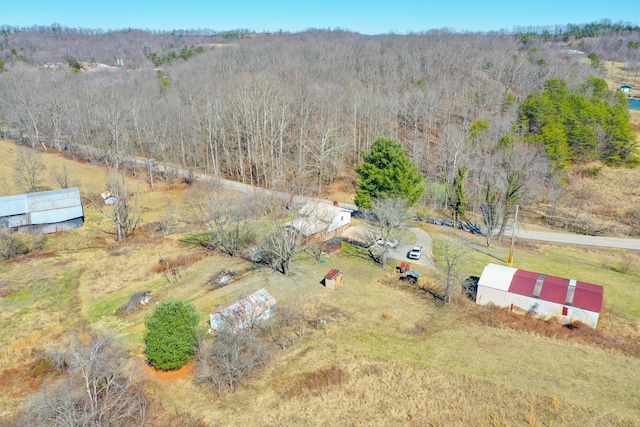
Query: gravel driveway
point(422, 239)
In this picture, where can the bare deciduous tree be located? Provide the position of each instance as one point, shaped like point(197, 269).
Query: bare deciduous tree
point(390, 213)
point(61, 176)
point(124, 211)
point(224, 217)
point(28, 170)
point(101, 388)
point(227, 361)
point(452, 252)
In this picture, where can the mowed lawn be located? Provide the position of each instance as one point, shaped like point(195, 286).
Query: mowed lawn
point(399, 358)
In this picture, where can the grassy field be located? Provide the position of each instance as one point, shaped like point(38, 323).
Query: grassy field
point(387, 354)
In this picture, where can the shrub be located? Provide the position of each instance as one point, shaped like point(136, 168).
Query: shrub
point(171, 336)
point(136, 301)
point(12, 245)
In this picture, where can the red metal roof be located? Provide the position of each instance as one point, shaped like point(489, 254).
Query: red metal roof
point(588, 296)
point(332, 274)
point(523, 283)
point(555, 289)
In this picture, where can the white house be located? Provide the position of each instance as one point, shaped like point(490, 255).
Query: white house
point(546, 296)
point(320, 221)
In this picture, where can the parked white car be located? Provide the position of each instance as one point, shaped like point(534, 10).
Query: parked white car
point(415, 253)
point(392, 243)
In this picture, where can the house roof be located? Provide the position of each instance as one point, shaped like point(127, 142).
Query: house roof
point(307, 226)
point(548, 288)
point(322, 211)
point(315, 218)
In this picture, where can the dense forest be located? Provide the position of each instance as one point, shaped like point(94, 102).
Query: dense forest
point(292, 111)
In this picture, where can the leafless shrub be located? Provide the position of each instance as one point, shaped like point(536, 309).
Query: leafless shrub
point(13, 244)
point(227, 361)
point(418, 329)
point(61, 176)
point(288, 325)
point(626, 262)
point(99, 390)
point(167, 223)
point(121, 252)
point(135, 302)
point(56, 358)
point(182, 419)
point(222, 279)
point(173, 268)
point(315, 383)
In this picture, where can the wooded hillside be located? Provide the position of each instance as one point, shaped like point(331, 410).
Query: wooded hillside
point(292, 111)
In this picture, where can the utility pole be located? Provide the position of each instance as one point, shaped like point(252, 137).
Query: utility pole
point(513, 236)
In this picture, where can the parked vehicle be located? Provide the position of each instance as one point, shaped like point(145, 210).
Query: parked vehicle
point(415, 253)
point(392, 243)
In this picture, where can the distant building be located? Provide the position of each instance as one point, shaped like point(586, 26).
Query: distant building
point(546, 296)
point(43, 212)
point(626, 89)
point(242, 313)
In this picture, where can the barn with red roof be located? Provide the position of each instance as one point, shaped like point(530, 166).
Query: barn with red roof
point(547, 296)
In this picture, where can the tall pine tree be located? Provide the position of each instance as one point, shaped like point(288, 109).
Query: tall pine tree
point(387, 172)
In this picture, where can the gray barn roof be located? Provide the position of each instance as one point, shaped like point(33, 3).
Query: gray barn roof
point(46, 207)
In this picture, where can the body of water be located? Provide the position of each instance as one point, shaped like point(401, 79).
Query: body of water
point(634, 104)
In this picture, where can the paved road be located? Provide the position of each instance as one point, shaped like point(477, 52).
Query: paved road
point(577, 239)
point(573, 239)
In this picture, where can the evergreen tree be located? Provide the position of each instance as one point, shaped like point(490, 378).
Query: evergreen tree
point(171, 335)
point(579, 127)
point(387, 172)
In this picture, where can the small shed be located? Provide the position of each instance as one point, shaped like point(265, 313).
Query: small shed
point(242, 313)
point(42, 212)
point(549, 297)
point(333, 279)
point(332, 245)
point(626, 89)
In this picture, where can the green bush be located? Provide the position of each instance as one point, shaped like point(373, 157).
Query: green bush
point(171, 336)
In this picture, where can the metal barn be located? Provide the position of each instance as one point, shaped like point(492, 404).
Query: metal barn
point(43, 212)
point(243, 312)
point(547, 296)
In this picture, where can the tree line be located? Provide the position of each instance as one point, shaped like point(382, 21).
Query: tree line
point(293, 111)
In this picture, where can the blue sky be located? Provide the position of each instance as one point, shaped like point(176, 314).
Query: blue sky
point(367, 17)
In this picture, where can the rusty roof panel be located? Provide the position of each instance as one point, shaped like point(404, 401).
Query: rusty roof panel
point(242, 312)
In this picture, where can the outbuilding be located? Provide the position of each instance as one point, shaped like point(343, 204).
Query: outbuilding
point(42, 212)
point(333, 279)
point(243, 313)
point(547, 296)
point(626, 89)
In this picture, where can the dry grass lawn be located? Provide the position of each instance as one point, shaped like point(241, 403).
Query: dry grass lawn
point(386, 355)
